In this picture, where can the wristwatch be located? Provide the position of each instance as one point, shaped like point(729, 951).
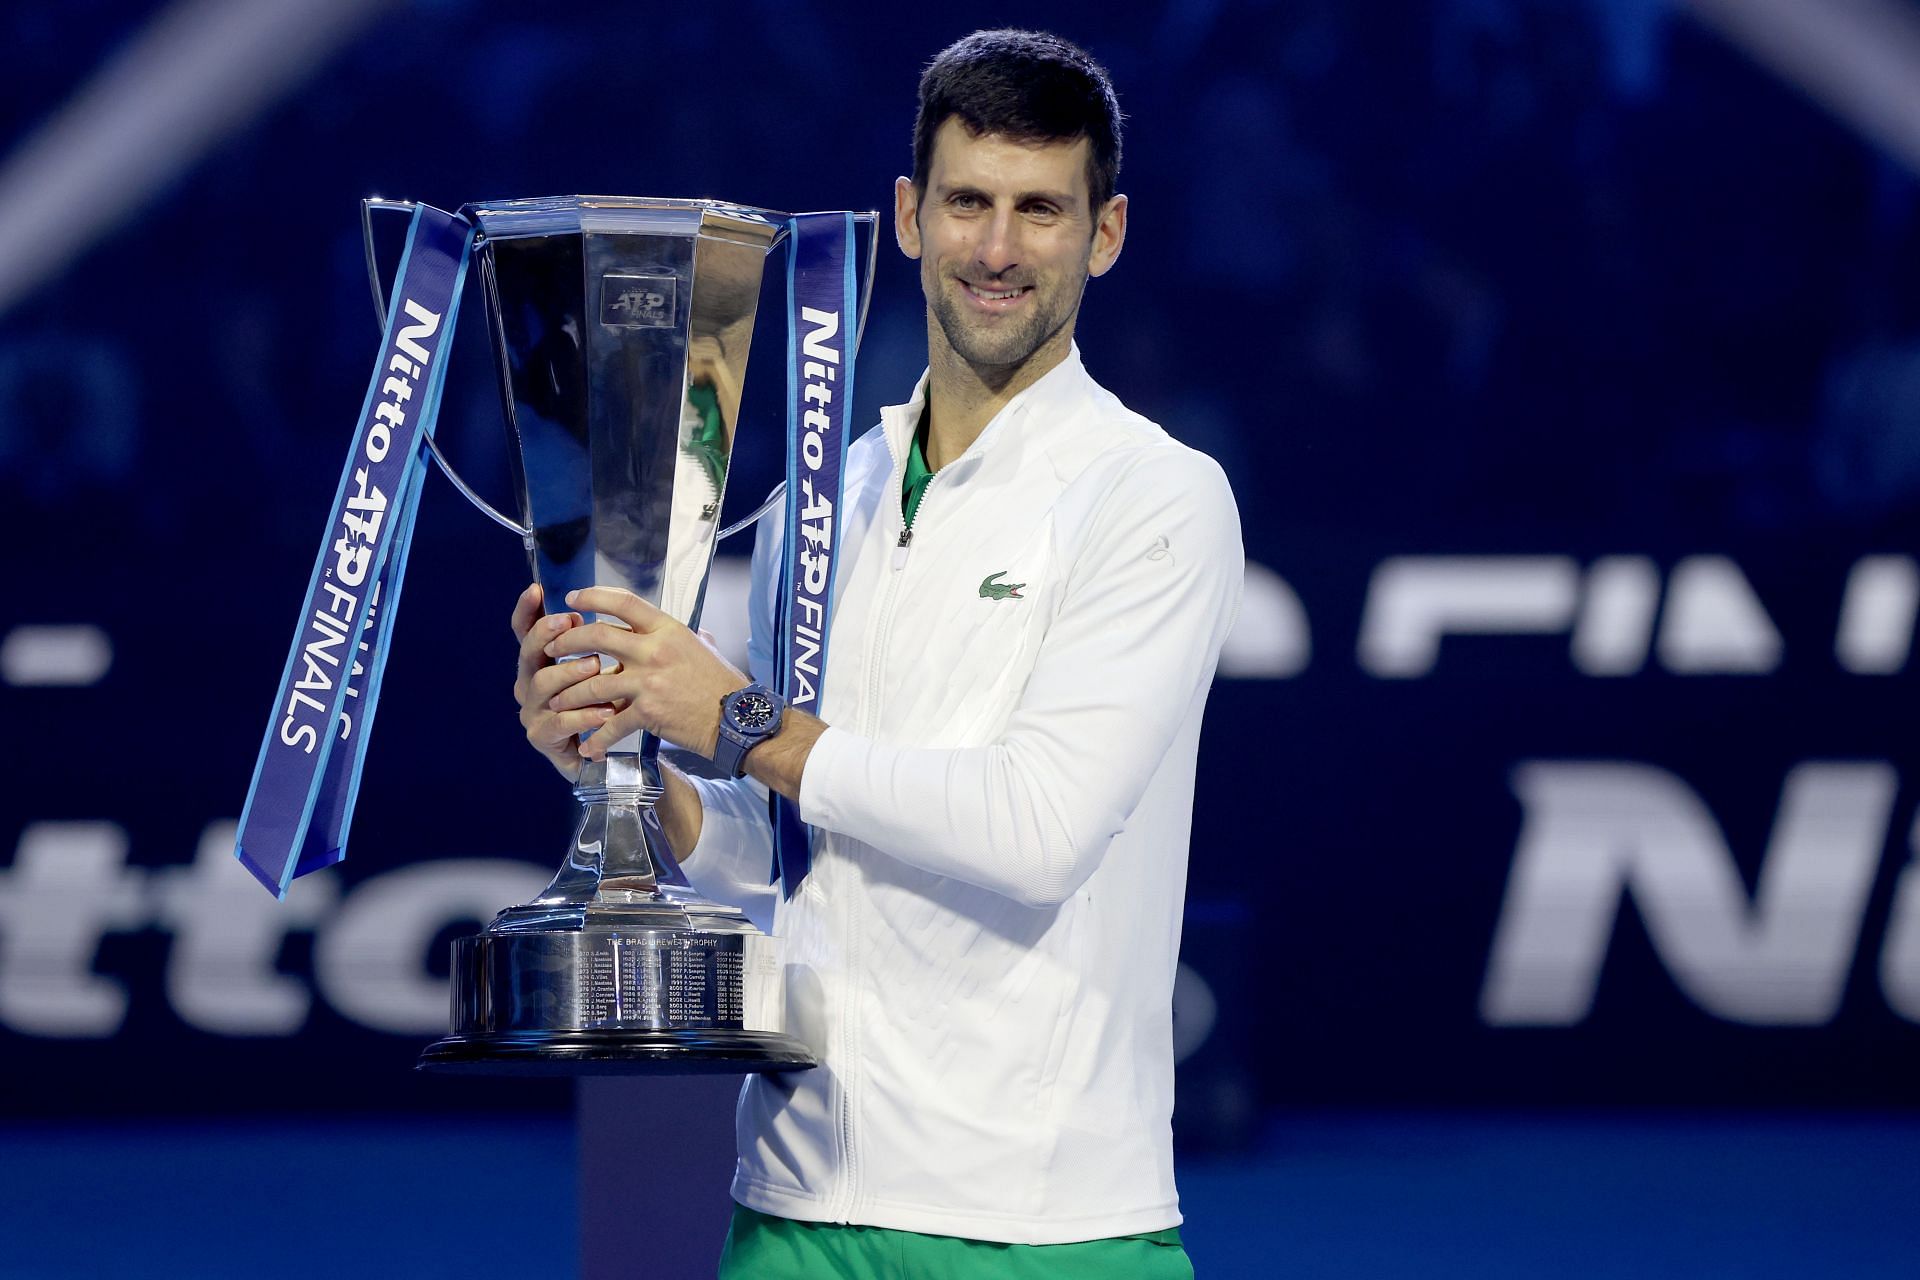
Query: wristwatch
point(748, 717)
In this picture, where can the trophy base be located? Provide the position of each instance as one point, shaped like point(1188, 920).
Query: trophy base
point(619, 967)
point(709, 1051)
point(663, 985)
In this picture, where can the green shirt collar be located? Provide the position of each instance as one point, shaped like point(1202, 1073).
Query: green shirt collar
point(916, 481)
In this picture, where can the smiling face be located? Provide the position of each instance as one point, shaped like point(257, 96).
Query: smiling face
point(1006, 241)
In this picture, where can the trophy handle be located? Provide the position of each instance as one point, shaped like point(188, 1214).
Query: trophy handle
point(872, 218)
point(367, 207)
point(773, 500)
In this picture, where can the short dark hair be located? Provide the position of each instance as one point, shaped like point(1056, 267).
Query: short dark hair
point(1025, 85)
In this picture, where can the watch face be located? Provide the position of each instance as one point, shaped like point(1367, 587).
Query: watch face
point(752, 711)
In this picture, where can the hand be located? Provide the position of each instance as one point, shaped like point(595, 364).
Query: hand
point(662, 678)
point(555, 735)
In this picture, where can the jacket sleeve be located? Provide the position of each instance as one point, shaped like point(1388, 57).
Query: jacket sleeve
point(1150, 594)
point(732, 861)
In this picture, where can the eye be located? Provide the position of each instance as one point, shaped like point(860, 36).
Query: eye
point(1042, 209)
point(965, 200)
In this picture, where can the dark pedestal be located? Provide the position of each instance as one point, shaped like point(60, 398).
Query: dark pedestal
point(656, 1160)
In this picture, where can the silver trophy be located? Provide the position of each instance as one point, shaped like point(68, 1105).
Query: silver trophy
point(621, 328)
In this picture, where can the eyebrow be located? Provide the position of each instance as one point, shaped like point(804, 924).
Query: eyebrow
point(1060, 198)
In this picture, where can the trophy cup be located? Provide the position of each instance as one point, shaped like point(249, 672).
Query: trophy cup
point(621, 329)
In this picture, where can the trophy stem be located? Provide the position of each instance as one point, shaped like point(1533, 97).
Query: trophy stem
point(619, 858)
point(618, 838)
point(619, 967)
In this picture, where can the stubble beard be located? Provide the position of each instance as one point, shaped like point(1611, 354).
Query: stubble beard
point(998, 351)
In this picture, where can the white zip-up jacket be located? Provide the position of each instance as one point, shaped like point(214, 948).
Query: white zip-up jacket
point(983, 953)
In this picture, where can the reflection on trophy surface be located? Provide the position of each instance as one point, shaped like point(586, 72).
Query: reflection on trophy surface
point(621, 327)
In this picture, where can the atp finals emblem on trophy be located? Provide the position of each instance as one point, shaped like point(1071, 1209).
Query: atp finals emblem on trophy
point(621, 327)
point(638, 300)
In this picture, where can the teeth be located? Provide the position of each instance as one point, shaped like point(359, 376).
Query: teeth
point(995, 295)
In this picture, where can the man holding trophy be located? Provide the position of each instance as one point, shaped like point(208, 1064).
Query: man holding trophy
point(981, 915)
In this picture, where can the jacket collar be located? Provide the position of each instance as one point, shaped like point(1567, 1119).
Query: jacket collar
point(1054, 388)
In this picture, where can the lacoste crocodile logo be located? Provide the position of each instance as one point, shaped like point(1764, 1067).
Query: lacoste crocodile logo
point(991, 590)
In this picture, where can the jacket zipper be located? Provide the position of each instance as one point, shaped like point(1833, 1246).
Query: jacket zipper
point(848, 1039)
point(876, 662)
point(850, 1018)
point(904, 543)
point(883, 630)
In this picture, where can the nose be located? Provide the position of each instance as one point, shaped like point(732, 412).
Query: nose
point(999, 248)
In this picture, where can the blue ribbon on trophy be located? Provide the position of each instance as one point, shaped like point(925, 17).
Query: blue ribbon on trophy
point(821, 311)
point(301, 800)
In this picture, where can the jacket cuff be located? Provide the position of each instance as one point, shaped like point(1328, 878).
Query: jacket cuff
point(731, 860)
point(836, 757)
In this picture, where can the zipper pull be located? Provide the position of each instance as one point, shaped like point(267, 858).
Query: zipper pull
point(900, 548)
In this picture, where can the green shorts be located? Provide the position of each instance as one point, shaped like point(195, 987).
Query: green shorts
point(762, 1247)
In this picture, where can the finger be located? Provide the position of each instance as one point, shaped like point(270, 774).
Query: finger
point(599, 637)
point(526, 610)
point(606, 688)
point(624, 605)
point(616, 728)
point(551, 679)
point(532, 645)
point(551, 731)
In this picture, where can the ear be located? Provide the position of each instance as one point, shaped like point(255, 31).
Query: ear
point(906, 217)
point(1109, 234)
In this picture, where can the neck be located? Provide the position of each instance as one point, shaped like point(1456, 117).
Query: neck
point(963, 397)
